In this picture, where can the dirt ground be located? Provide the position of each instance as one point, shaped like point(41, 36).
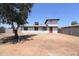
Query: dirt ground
point(45, 44)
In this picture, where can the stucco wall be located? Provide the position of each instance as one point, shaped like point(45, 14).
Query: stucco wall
point(40, 29)
point(30, 28)
point(55, 30)
point(52, 22)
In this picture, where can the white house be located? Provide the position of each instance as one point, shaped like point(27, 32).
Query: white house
point(50, 26)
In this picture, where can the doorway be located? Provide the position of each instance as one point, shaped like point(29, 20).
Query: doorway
point(50, 29)
point(36, 28)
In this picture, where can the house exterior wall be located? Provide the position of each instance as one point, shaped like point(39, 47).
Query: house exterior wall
point(52, 22)
point(70, 30)
point(55, 30)
point(30, 28)
point(40, 29)
point(49, 26)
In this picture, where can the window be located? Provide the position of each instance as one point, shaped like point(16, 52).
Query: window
point(44, 28)
point(25, 28)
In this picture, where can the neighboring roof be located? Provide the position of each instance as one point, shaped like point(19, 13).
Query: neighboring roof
point(51, 19)
point(71, 26)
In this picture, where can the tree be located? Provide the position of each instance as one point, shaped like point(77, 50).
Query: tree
point(15, 14)
point(74, 22)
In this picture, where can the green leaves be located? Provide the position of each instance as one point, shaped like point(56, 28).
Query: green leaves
point(74, 23)
point(15, 12)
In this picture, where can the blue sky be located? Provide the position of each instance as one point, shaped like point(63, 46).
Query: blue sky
point(65, 12)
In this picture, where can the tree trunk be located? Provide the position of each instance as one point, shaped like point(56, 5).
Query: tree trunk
point(15, 31)
point(16, 35)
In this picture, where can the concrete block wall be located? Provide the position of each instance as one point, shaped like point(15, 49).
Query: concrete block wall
point(70, 30)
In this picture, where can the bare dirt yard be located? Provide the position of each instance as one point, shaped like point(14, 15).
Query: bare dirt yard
point(44, 44)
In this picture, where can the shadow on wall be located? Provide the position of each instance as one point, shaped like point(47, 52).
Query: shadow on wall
point(12, 40)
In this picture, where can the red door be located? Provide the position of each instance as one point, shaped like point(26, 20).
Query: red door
point(50, 30)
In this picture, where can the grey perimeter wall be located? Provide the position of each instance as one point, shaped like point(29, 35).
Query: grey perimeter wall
point(70, 30)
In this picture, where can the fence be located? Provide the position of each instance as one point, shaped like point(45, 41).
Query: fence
point(71, 30)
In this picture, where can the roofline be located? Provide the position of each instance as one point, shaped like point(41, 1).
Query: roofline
point(51, 19)
point(70, 26)
point(40, 25)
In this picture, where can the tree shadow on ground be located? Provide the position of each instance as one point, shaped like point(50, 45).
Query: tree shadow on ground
point(12, 40)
